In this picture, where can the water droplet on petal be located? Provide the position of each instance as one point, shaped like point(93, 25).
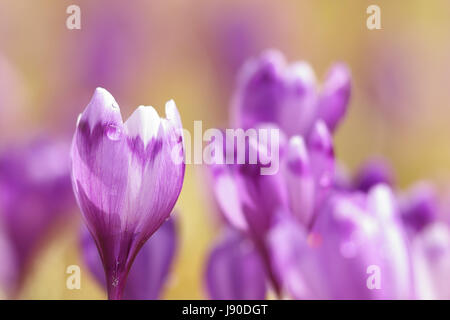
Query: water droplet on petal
point(113, 132)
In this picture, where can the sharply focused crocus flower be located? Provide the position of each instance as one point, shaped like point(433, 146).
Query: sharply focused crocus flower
point(270, 90)
point(35, 191)
point(356, 249)
point(150, 269)
point(234, 270)
point(126, 178)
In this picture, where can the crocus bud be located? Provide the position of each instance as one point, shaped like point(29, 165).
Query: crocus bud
point(419, 207)
point(150, 269)
point(260, 90)
point(271, 91)
point(234, 270)
point(125, 178)
point(35, 192)
point(373, 172)
point(335, 95)
point(293, 259)
point(246, 195)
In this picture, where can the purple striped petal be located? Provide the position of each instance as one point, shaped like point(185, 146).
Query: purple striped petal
point(321, 152)
point(419, 207)
point(355, 244)
point(431, 252)
point(373, 172)
point(260, 90)
point(150, 269)
point(335, 96)
point(235, 271)
point(300, 180)
point(125, 178)
point(359, 234)
point(271, 91)
point(293, 261)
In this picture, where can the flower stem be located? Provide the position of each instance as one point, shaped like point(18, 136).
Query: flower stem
point(116, 285)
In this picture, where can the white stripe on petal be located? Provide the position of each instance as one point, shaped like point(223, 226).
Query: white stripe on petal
point(143, 123)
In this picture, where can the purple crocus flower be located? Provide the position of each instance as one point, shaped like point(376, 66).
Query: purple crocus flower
point(270, 90)
point(356, 249)
point(373, 172)
point(419, 206)
point(35, 191)
point(431, 251)
point(234, 270)
point(150, 269)
point(126, 178)
point(8, 266)
point(309, 172)
point(249, 200)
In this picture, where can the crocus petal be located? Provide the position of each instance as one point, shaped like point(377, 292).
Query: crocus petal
point(35, 191)
point(299, 106)
point(150, 269)
point(260, 90)
point(373, 172)
point(361, 238)
point(321, 151)
point(227, 195)
point(335, 96)
point(125, 178)
point(247, 197)
point(419, 207)
point(431, 252)
point(235, 271)
point(293, 261)
point(270, 91)
point(300, 180)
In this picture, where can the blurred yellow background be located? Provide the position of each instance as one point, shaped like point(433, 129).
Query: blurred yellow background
point(147, 52)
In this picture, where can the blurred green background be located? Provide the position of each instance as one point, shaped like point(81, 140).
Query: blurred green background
point(147, 52)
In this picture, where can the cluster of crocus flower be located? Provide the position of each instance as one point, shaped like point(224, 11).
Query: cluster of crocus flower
point(35, 192)
point(307, 231)
point(126, 182)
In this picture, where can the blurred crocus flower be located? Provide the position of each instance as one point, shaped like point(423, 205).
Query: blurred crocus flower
point(374, 171)
point(431, 253)
point(150, 269)
point(126, 179)
point(234, 270)
point(309, 172)
point(35, 191)
point(419, 206)
point(270, 90)
point(8, 266)
point(356, 249)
